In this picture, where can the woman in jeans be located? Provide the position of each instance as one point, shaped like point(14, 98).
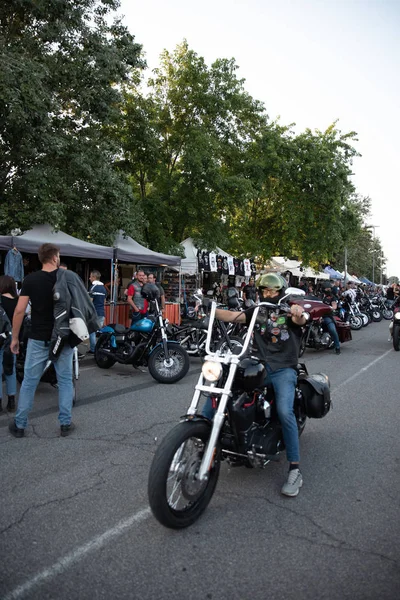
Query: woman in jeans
point(9, 299)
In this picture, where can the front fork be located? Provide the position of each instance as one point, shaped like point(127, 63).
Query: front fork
point(163, 332)
point(219, 417)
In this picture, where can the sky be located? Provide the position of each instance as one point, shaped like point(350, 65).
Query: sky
point(310, 62)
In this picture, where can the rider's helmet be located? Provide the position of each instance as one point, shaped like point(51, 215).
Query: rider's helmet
point(273, 281)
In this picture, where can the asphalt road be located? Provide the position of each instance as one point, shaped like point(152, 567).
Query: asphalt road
point(75, 521)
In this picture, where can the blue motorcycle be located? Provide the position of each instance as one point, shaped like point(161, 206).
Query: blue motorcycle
point(144, 343)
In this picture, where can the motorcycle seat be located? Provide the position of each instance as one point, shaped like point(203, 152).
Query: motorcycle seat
point(118, 328)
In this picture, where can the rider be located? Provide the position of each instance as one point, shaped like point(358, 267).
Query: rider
point(278, 342)
point(329, 298)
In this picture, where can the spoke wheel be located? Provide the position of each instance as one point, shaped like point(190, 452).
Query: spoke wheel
point(177, 497)
point(387, 314)
point(171, 369)
point(235, 345)
point(355, 323)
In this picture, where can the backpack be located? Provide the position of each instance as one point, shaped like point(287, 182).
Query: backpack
point(5, 326)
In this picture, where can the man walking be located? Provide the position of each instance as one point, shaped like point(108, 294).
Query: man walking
point(37, 288)
point(98, 294)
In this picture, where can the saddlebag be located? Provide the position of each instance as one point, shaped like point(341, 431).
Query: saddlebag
point(316, 395)
point(344, 331)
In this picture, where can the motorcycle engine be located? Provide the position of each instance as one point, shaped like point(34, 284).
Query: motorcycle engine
point(125, 352)
point(322, 339)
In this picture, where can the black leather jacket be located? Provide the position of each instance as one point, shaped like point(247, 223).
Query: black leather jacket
point(71, 301)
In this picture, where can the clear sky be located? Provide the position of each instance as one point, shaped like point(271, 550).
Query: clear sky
point(311, 62)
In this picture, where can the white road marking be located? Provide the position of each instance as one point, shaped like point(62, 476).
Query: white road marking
point(361, 371)
point(64, 563)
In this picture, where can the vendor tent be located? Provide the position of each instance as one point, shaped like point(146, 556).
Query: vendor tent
point(69, 245)
point(189, 264)
point(333, 273)
point(127, 250)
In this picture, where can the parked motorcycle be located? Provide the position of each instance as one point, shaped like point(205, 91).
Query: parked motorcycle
point(385, 306)
point(245, 430)
point(192, 335)
point(145, 343)
point(350, 314)
point(315, 333)
point(49, 373)
point(371, 308)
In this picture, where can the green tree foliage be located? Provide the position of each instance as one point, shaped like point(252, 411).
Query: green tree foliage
point(195, 121)
point(62, 63)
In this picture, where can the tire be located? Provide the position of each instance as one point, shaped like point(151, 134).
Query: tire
point(365, 320)
point(355, 323)
point(193, 496)
point(387, 314)
point(103, 360)
point(376, 315)
point(176, 370)
point(396, 337)
point(236, 343)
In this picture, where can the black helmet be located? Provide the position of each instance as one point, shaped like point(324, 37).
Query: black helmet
point(250, 375)
point(316, 395)
point(150, 291)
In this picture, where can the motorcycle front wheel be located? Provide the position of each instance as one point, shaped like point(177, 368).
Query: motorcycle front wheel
point(365, 319)
point(377, 316)
point(396, 338)
point(177, 498)
point(387, 314)
point(171, 369)
point(355, 323)
point(235, 345)
point(102, 358)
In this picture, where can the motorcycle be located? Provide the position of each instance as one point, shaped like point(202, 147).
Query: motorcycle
point(385, 306)
point(49, 373)
point(315, 334)
point(192, 335)
point(144, 343)
point(371, 308)
point(245, 430)
point(350, 314)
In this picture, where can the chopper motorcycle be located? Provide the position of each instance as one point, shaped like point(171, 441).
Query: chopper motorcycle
point(144, 343)
point(315, 333)
point(245, 430)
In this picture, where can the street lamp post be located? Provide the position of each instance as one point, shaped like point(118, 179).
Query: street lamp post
point(373, 253)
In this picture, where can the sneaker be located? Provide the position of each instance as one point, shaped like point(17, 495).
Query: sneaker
point(293, 483)
point(66, 429)
point(17, 432)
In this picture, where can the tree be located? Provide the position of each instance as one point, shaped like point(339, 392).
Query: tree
point(62, 64)
point(196, 120)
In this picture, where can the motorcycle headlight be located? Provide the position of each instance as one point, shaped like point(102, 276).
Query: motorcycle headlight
point(397, 316)
point(211, 371)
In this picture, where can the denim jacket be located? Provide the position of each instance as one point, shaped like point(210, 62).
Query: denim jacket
point(13, 264)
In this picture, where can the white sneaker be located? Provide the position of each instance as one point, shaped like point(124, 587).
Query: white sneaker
point(293, 483)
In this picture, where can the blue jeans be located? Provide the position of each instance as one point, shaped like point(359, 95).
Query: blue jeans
point(37, 355)
point(331, 327)
point(11, 380)
point(92, 336)
point(284, 383)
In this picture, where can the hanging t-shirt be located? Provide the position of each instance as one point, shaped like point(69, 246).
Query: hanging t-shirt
point(236, 263)
point(231, 266)
point(213, 262)
point(219, 263)
point(247, 269)
point(200, 259)
point(206, 261)
point(225, 269)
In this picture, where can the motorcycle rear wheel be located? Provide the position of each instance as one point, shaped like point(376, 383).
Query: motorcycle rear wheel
point(103, 360)
point(396, 338)
point(171, 370)
point(355, 322)
point(176, 497)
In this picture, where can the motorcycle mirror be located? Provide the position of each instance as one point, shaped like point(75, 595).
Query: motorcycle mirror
point(292, 291)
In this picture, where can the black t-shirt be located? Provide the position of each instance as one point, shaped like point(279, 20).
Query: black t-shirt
point(39, 287)
point(277, 338)
point(9, 305)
